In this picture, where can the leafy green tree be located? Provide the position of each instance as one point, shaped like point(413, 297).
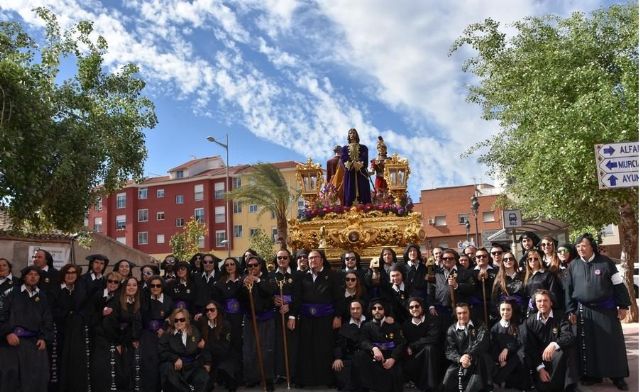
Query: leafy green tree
point(557, 87)
point(184, 244)
point(61, 139)
point(267, 188)
point(262, 243)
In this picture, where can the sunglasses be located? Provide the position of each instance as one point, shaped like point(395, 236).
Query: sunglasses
point(448, 258)
point(533, 259)
point(207, 261)
point(377, 308)
point(211, 310)
point(563, 250)
point(147, 273)
point(113, 281)
point(504, 260)
point(497, 253)
point(414, 306)
point(283, 257)
point(252, 265)
point(350, 279)
point(155, 286)
point(179, 320)
point(482, 256)
point(546, 244)
point(349, 258)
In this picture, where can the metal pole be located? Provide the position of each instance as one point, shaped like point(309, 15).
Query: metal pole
point(226, 187)
point(476, 217)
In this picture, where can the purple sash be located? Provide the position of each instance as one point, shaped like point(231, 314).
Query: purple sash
point(287, 298)
point(24, 333)
point(182, 305)
point(232, 306)
point(607, 303)
point(155, 325)
point(188, 359)
point(316, 310)
point(385, 345)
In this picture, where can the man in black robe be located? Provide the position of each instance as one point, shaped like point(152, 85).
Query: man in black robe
point(548, 346)
point(382, 347)
point(597, 300)
point(467, 348)
point(204, 282)
point(28, 326)
point(396, 294)
point(316, 304)
point(422, 334)
point(347, 345)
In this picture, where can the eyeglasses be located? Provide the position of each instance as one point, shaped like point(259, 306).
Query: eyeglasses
point(179, 320)
point(563, 250)
point(414, 306)
point(546, 244)
point(302, 257)
point(113, 281)
point(377, 308)
point(207, 261)
point(155, 286)
point(482, 256)
point(497, 253)
point(147, 273)
point(350, 279)
point(508, 259)
point(350, 258)
point(283, 257)
point(448, 258)
point(252, 265)
point(211, 310)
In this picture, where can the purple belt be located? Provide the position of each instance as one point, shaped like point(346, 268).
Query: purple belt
point(287, 298)
point(155, 325)
point(385, 345)
point(188, 359)
point(608, 303)
point(232, 305)
point(317, 310)
point(182, 305)
point(24, 333)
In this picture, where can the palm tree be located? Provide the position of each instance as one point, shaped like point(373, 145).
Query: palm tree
point(267, 188)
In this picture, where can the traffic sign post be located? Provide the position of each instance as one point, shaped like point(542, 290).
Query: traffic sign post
point(617, 165)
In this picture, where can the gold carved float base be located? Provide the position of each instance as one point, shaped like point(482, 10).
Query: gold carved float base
point(363, 232)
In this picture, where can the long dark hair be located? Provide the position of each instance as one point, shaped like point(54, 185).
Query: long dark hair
point(123, 294)
point(204, 328)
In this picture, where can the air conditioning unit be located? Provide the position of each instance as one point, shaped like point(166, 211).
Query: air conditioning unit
point(432, 221)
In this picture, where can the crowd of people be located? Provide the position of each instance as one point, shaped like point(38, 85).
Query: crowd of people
point(480, 320)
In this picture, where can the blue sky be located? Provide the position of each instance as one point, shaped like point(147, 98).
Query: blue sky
point(286, 79)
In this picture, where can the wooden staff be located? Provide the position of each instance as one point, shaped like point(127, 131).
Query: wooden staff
point(284, 335)
point(452, 292)
point(255, 333)
point(484, 301)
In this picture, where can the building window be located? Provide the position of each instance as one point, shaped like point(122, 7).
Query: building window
point(122, 240)
point(218, 190)
point(236, 182)
point(97, 224)
point(237, 207)
point(179, 174)
point(98, 204)
point(198, 213)
point(198, 192)
point(440, 220)
point(179, 222)
point(179, 199)
point(237, 231)
point(142, 193)
point(160, 193)
point(488, 216)
point(253, 232)
point(143, 238)
point(221, 235)
point(463, 219)
point(159, 238)
point(121, 222)
point(121, 200)
point(160, 215)
point(220, 215)
point(253, 208)
point(143, 215)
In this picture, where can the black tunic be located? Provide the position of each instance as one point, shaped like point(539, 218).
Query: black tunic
point(9, 373)
point(398, 300)
point(229, 293)
point(347, 345)
point(515, 294)
point(224, 360)
point(477, 300)
point(205, 290)
point(72, 342)
point(102, 374)
point(388, 338)
point(154, 315)
point(514, 373)
point(591, 294)
point(548, 281)
point(422, 366)
point(184, 294)
point(287, 280)
point(475, 342)
point(122, 328)
point(192, 373)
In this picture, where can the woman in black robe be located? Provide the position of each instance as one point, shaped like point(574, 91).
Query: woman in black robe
point(509, 286)
point(8, 357)
point(507, 351)
point(156, 308)
point(183, 289)
point(536, 277)
point(224, 362)
point(227, 288)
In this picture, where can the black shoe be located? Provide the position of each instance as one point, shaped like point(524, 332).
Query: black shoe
point(620, 383)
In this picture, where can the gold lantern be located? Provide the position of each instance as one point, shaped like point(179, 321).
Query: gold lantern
point(310, 178)
point(396, 173)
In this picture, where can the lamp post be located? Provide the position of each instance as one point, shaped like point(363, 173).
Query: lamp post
point(225, 145)
point(475, 204)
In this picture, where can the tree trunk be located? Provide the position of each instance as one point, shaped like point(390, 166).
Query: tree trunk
point(281, 228)
point(628, 228)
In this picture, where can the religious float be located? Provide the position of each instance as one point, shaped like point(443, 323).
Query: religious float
point(342, 213)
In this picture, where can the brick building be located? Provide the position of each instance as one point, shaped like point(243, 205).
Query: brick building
point(445, 212)
point(145, 215)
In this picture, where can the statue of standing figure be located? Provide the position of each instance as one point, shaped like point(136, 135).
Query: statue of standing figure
point(356, 178)
point(377, 165)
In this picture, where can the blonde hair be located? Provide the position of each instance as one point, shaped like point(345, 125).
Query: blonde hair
point(187, 317)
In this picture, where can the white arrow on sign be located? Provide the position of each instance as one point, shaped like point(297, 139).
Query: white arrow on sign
point(617, 150)
point(619, 180)
point(619, 165)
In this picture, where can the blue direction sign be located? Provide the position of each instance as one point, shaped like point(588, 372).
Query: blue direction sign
point(617, 165)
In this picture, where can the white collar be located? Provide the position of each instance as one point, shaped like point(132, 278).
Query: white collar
point(461, 327)
point(64, 285)
point(207, 276)
point(24, 288)
point(410, 263)
point(477, 268)
point(504, 323)
point(357, 322)
point(105, 293)
point(45, 268)
point(537, 272)
point(593, 256)
point(288, 271)
point(211, 323)
point(94, 276)
point(8, 277)
point(420, 320)
point(398, 288)
point(539, 316)
point(160, 298)
point(130, 300)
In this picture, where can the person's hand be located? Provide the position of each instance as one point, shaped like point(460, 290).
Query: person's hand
point(284, 309)
point(465, 360)
point(135, 344)
point(201, 344)
point(377, 355)
point(337, 322)
point(544, 375)
point(177, 365)
point(277, 300)
point(433, 311)
point(291, 324)
point(502, 363)
point(409, 352)
point(548, 352)
point(452, 281)
point(388, 363)
point(160, 332)
point(119, 349)
point(622, 314)
point(13, 339)
point(107, 311)
point(503, 355)
point(573, 319)
point(41, 344)
point(207, 368)
point(389, 320)
point(337, 365)
point(197, 317)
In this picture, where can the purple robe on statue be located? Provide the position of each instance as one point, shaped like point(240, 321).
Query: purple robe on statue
point(353, 178)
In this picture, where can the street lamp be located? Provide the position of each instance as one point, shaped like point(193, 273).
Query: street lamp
point(475, 204)
point(225, 145)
